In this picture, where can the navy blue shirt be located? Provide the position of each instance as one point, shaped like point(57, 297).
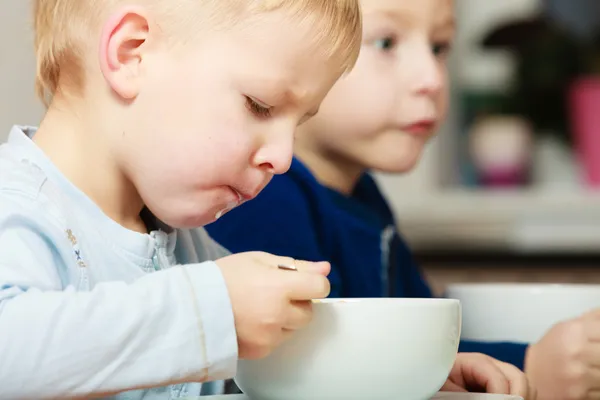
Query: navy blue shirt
point(298, 217)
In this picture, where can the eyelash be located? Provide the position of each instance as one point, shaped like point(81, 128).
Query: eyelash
point(257, 109)
point(439, 49)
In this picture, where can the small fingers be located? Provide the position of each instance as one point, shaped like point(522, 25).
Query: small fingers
point(475, 371)
point(320, 267)
point(306, 286)
point(298, 316)
point(519, 384)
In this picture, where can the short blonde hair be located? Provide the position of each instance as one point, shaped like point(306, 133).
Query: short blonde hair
point(63, 28)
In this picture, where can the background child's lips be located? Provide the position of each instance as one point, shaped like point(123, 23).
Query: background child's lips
point(420, 127)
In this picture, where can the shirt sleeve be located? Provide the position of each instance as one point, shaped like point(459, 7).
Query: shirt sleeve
point(512, 353)
point(169, 326)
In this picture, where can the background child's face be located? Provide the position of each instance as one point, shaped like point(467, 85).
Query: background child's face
point(215, 120)
point(383, 113)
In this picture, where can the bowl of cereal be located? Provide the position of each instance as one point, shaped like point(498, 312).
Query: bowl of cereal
point(356, 349)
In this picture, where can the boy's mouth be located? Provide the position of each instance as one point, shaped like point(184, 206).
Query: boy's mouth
point(244, 196)
point(231, 205)
point(225, 210)
point(422, 127)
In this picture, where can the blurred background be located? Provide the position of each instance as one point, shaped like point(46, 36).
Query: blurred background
point(509, 189)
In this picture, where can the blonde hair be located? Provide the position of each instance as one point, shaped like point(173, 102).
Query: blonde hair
point(63, 27)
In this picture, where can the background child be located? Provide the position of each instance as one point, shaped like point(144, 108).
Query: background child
point(328, 207)
point(162, 115)
point(379, 117)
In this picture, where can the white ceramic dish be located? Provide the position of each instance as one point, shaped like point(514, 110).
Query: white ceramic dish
point(473, 396)
point(439, 396)
point(519, 312)
point(361, 349)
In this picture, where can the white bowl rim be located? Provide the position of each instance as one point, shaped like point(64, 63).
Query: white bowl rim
point(536, 287)
point(397, 301)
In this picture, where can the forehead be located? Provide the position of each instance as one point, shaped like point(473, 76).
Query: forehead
point(274, 50)
point(287, 38)
point(412, 12)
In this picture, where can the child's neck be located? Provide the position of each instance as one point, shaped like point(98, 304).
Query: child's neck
point(83, 157)
point(332, 171)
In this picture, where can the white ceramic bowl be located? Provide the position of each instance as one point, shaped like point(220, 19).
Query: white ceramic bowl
point(357, 349)
point(438, 396)
point(519, 312)
point(474, 396)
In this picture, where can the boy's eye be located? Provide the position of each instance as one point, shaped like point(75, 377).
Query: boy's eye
point(385, 44)
point(257, 108)
point(441, 49)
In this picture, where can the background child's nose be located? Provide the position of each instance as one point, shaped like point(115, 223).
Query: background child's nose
point(428, 78)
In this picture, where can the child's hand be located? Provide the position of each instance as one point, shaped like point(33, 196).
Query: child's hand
point(480, 373)
point(565, 363)
point(270, 303)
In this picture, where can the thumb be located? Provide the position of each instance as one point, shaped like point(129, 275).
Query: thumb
point(320, 267)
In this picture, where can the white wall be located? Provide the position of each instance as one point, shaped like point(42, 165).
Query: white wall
point(18, 103)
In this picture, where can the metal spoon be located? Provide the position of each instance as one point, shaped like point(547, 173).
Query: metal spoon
point(287, 267)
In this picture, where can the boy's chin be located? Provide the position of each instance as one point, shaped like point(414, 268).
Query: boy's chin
point(401, 164)
point(180, 220)
point(190, 214)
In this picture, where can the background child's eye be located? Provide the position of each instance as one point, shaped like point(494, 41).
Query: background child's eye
point(260, 110)
point(385, 44)
point(441, 49)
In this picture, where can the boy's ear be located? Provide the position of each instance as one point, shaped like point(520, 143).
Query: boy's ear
point(122, 47)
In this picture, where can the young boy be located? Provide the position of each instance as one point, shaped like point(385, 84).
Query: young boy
point(162, 116)
point(379, 117)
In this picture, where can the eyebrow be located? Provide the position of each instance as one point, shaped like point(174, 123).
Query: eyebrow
point(402, 18)
point(398, 16)
point(446, 24)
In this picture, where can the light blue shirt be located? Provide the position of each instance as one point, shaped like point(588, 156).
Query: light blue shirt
point(89, 307)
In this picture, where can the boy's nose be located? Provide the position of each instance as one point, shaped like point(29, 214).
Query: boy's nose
point(431, 83)
point(275, 155)
point(427, 75)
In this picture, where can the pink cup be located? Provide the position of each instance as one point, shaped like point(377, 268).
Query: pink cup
point(584, 104)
